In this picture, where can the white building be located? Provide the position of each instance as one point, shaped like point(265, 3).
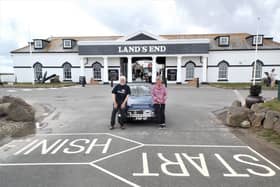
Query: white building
point(179, 58)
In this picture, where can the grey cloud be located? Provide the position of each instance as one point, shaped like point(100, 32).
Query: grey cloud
point(215, 15)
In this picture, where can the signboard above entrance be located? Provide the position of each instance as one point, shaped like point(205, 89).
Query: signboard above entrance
point(113, 49)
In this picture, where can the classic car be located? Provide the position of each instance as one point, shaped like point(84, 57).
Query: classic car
point(140, 103)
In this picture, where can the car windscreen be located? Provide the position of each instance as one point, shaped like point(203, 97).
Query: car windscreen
point(140, 90)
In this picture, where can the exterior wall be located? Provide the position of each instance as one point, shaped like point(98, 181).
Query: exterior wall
point(52, 63)
point(240, 69)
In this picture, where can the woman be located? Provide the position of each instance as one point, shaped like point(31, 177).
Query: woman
point(159, 95)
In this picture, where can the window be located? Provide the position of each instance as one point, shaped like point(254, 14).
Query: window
point(38, 73)
point(38, 44)
point(67, 44)
point(258, 70)
point(67, 71)
point(96, 71)
point(189, 71)
point(260, 40)
point(223, 41)
point(223, 71)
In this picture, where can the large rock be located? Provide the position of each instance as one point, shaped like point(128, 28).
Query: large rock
point(245, 124)
point(18, 112)
point(4, 109)
point(271, 118)
point(236, 115)
point(236, 103)
point(18, 109)
point(257, 119)
point(257, 108)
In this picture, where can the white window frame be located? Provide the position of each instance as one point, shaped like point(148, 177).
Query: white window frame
point(38, 71)
point(260, 39)
point(224, 41)
point(97, 74)
point(38, 44)
point(67, 46)
point(258, 70)
point(67, 73)
point(190, 69)
point(223, 71)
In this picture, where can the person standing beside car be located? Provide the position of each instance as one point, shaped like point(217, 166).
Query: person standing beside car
point(120, 95)
point(159, 95)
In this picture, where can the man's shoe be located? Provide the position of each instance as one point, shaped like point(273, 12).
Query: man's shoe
point(122, 127)
point(112, 128)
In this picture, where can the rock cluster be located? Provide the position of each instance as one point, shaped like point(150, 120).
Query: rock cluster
point(257, 116)
point(16, 116)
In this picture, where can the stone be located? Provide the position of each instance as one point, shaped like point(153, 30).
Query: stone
point(257, 107)
point(271, 118)
point(257, 119)
point(4, 109)
point(236, 103)
point(236, 115)
point(245, 124)
point(276, 126)
point(18, 112)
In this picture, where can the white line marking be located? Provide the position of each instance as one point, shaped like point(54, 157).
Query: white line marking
point(116, 154)
point(11, 91)
point(133, 141)
point(52, 88)
point(40, 89)
point(254, 151)
point(115, 176)
point(45, 164)
point(208, 146)
point(26, 90)
point(239, 97)
point(70, 134)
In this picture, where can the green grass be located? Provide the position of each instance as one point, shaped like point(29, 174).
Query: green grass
point(270, 135)
point(39, 85)
point(273, 105)
point(238, 86)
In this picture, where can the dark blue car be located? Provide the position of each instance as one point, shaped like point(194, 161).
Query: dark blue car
point(140, 103)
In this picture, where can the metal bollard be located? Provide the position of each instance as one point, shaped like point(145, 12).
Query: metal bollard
point(112, 83)
point(278, 85)
point(197, 82)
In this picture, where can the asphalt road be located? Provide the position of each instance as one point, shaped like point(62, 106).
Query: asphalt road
point(74, 147)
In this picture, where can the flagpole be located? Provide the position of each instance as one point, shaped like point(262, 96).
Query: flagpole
point(30, 55)
point(256, 53)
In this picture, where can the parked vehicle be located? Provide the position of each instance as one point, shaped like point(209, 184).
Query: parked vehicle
point(140, 103)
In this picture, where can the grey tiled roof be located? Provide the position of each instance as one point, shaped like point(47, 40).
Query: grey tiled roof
point(238, 41)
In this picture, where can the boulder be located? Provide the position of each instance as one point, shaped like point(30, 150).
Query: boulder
point(258, 108)
point(19, 112)
point(271, 118)
point(276, 127)
point(236, 103)
point(245, 124)
point(4, 109)
point(257, 119)
point(236, 115)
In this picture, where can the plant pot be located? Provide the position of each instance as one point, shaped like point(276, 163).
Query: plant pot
point(255, 90)
point(250, 100)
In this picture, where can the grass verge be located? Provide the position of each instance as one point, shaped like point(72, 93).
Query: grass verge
point(39, 85)
point(273, 105)
point(238, 86)
point(270, 136)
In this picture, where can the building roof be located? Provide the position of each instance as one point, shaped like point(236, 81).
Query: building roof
point(238, 41)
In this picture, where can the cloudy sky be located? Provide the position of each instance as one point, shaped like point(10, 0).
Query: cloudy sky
point(21, 20)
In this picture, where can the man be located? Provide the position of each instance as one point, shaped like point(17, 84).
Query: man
point(159, 95)
point(120, 95)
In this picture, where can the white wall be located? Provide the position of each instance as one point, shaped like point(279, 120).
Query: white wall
point(243, 60)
